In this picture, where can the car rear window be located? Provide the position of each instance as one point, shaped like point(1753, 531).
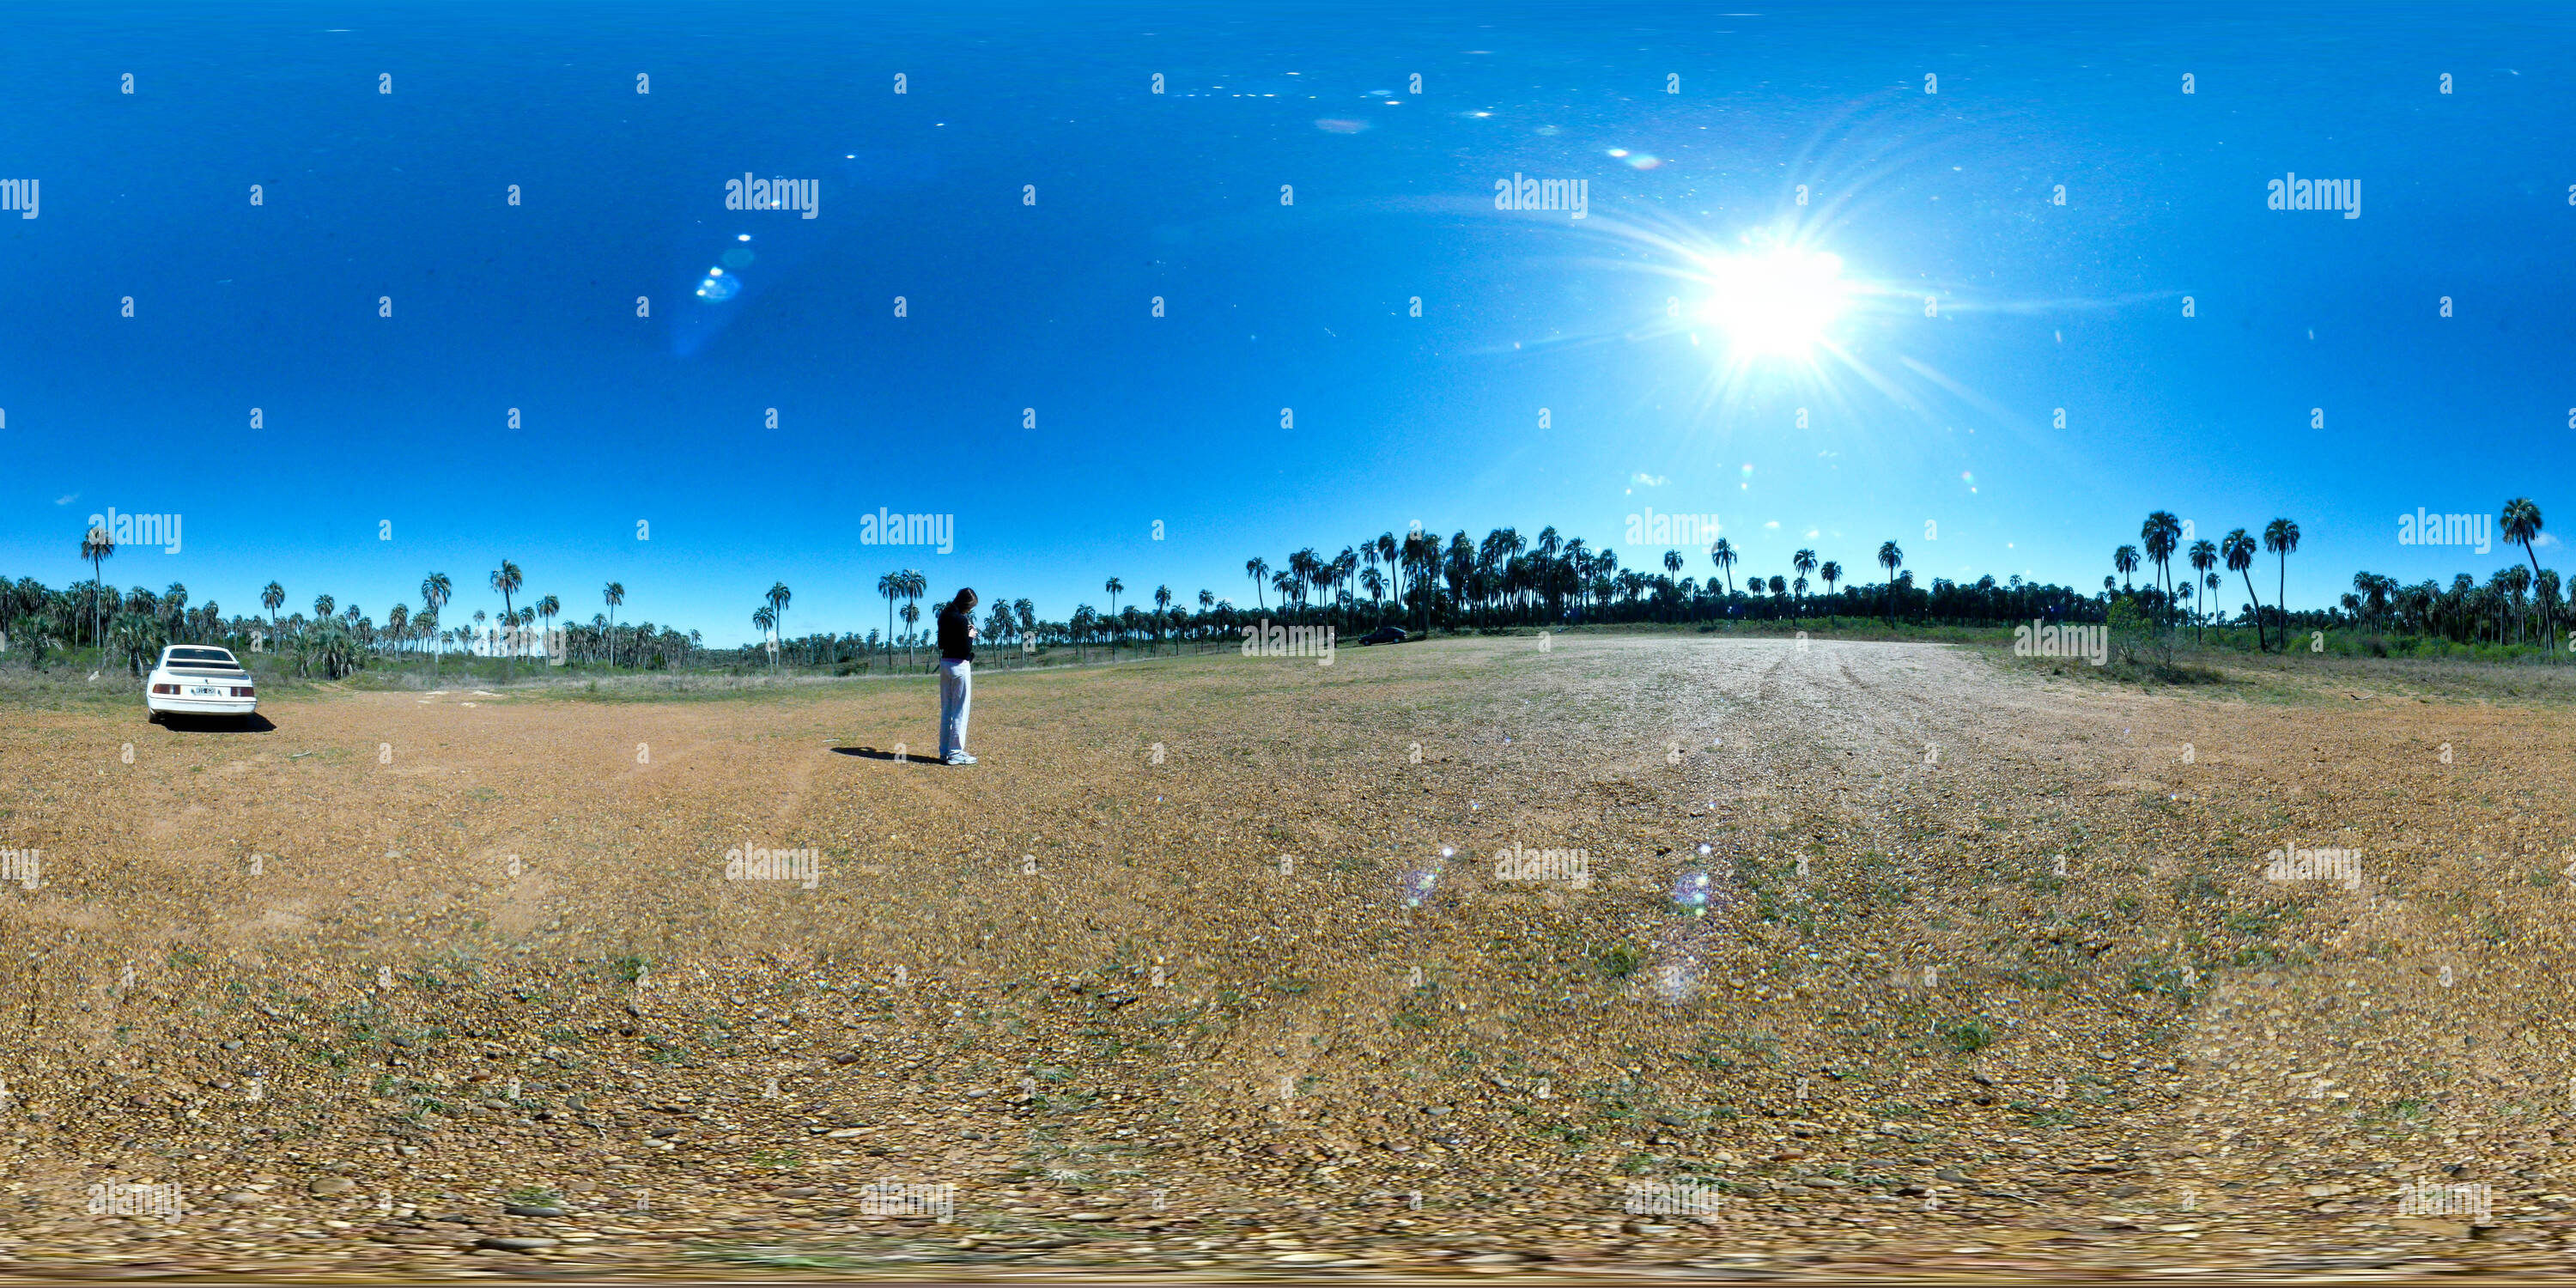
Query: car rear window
point(202, 657)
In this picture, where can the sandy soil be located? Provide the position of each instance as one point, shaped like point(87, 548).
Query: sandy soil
point(1883, 956)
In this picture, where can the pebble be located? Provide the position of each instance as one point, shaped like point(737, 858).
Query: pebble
point(516, 1244)
point(331, 1185)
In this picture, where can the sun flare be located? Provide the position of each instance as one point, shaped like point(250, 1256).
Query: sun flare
point(1775, 301)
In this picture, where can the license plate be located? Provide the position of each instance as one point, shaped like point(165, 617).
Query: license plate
point(207, 691)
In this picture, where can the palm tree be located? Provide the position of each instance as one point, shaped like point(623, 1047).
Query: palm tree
point(98, 544)
point(1832, 572)
point(891, 586)
point(1891, 558)
point(546, 608)
point(1257, 568)
point(765, 620)
point(1805, 562)
point(273, 596)
point(1079, 626)
point(323, 606)
point(613, 594)
point(778, 597)
point(398, 625)
point(434, 590)
point(2521, 522)
point(915, 586)
point(1387, 553)
point(1113, 586)
point(2281, 537)
point(2515, 582)
point(507, 580)
point(1723, 555)
point(2375, 593)
point(1163, 605)
point(2162, 533)
point(2238, 550)
point(2204, 556)
point(2125, 561)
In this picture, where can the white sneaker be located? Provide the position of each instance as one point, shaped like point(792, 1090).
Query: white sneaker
point(960, 758)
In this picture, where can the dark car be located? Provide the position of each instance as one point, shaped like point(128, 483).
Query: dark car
point(1384, 635)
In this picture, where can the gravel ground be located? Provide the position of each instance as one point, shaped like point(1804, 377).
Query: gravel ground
point(1835, 960)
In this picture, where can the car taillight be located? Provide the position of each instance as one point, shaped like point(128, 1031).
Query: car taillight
point(244, 691)
point(165, 688)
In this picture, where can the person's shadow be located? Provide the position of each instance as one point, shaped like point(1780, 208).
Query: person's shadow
point(899, 757)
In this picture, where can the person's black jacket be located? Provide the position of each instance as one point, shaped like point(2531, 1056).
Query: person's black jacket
point(955, 642)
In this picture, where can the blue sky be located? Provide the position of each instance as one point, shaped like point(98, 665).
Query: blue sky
point(1950, 419)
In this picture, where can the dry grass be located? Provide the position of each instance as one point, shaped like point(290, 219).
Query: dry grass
point(1080, 972)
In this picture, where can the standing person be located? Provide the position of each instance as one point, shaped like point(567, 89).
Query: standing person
point(956, 675)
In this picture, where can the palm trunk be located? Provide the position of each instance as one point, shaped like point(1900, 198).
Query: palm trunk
point(2260, 645)
point(2281, 596)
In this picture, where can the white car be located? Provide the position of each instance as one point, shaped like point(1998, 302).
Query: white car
point(199, 681)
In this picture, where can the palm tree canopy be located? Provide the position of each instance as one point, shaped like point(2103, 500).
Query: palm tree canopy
point(2238, 549)
point(2520, 521)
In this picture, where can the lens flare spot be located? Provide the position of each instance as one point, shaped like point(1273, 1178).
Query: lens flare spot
point(1690, 894)
point(1419, 886)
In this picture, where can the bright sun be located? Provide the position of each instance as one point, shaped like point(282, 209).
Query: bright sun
point(1775, 300)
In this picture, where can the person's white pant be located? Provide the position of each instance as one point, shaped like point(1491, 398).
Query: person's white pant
point(956, 694)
